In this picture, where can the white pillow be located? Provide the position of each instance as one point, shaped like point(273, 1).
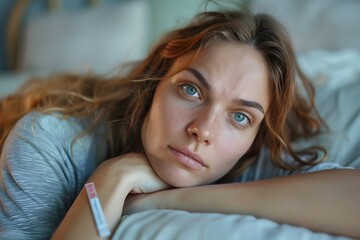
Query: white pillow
point(337, 79)
point(182, 225)
point(99, 38)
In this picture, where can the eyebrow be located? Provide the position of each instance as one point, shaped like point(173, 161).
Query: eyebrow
point(252, 104)
point(240, 101)
point(200, 77)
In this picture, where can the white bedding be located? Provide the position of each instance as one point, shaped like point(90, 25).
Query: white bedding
point(337, 78)
point(181, 225)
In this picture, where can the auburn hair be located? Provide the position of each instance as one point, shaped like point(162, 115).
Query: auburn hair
point(123, 101)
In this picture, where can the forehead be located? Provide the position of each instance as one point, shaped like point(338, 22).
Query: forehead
point(222, 57)
point(232, 70)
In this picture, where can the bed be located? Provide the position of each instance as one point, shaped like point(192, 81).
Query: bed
point(327, 41)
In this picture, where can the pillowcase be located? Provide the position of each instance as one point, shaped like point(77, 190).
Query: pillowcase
point(336, 76)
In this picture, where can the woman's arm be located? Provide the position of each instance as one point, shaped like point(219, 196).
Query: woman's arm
point(79, 222)
point(42, 172)
point(326, 201)
point(114, 180)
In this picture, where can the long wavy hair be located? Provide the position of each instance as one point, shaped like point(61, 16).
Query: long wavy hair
point(123, 101)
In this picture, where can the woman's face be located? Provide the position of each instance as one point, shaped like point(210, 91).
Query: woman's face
point(204, 118)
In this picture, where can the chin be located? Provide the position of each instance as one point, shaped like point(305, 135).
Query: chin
point(178, 181)
point(181, 179)
point(182, 185)
point(175, 175)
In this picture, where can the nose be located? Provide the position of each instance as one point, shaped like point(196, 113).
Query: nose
point(204, 126)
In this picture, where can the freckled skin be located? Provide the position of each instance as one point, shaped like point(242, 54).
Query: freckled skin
point(204, 120)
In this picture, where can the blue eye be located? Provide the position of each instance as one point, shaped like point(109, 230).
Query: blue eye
point(241, 118)
point(190, 90)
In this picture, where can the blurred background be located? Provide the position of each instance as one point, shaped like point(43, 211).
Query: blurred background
point(39, 37)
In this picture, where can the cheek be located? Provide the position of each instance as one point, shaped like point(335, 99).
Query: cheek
point(166, 117)
point(170, 113)
point(231, 148)
point(165, 120)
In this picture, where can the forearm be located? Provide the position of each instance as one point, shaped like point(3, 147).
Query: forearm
point(326, 201)
point(79, 222)
point(114, 180)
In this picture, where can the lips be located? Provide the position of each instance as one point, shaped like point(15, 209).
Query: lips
point(187, 158)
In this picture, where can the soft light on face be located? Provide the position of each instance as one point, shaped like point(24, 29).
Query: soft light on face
point(204, 118)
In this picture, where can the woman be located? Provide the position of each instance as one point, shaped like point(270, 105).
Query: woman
point(206, 102)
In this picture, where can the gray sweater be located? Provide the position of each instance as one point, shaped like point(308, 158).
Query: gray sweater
point(42, 171)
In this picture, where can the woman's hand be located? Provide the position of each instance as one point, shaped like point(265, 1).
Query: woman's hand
point(114, 180)
point(136, 170)
point(145, 193)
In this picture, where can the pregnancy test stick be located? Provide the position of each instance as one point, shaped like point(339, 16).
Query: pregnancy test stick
point(97, 211)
